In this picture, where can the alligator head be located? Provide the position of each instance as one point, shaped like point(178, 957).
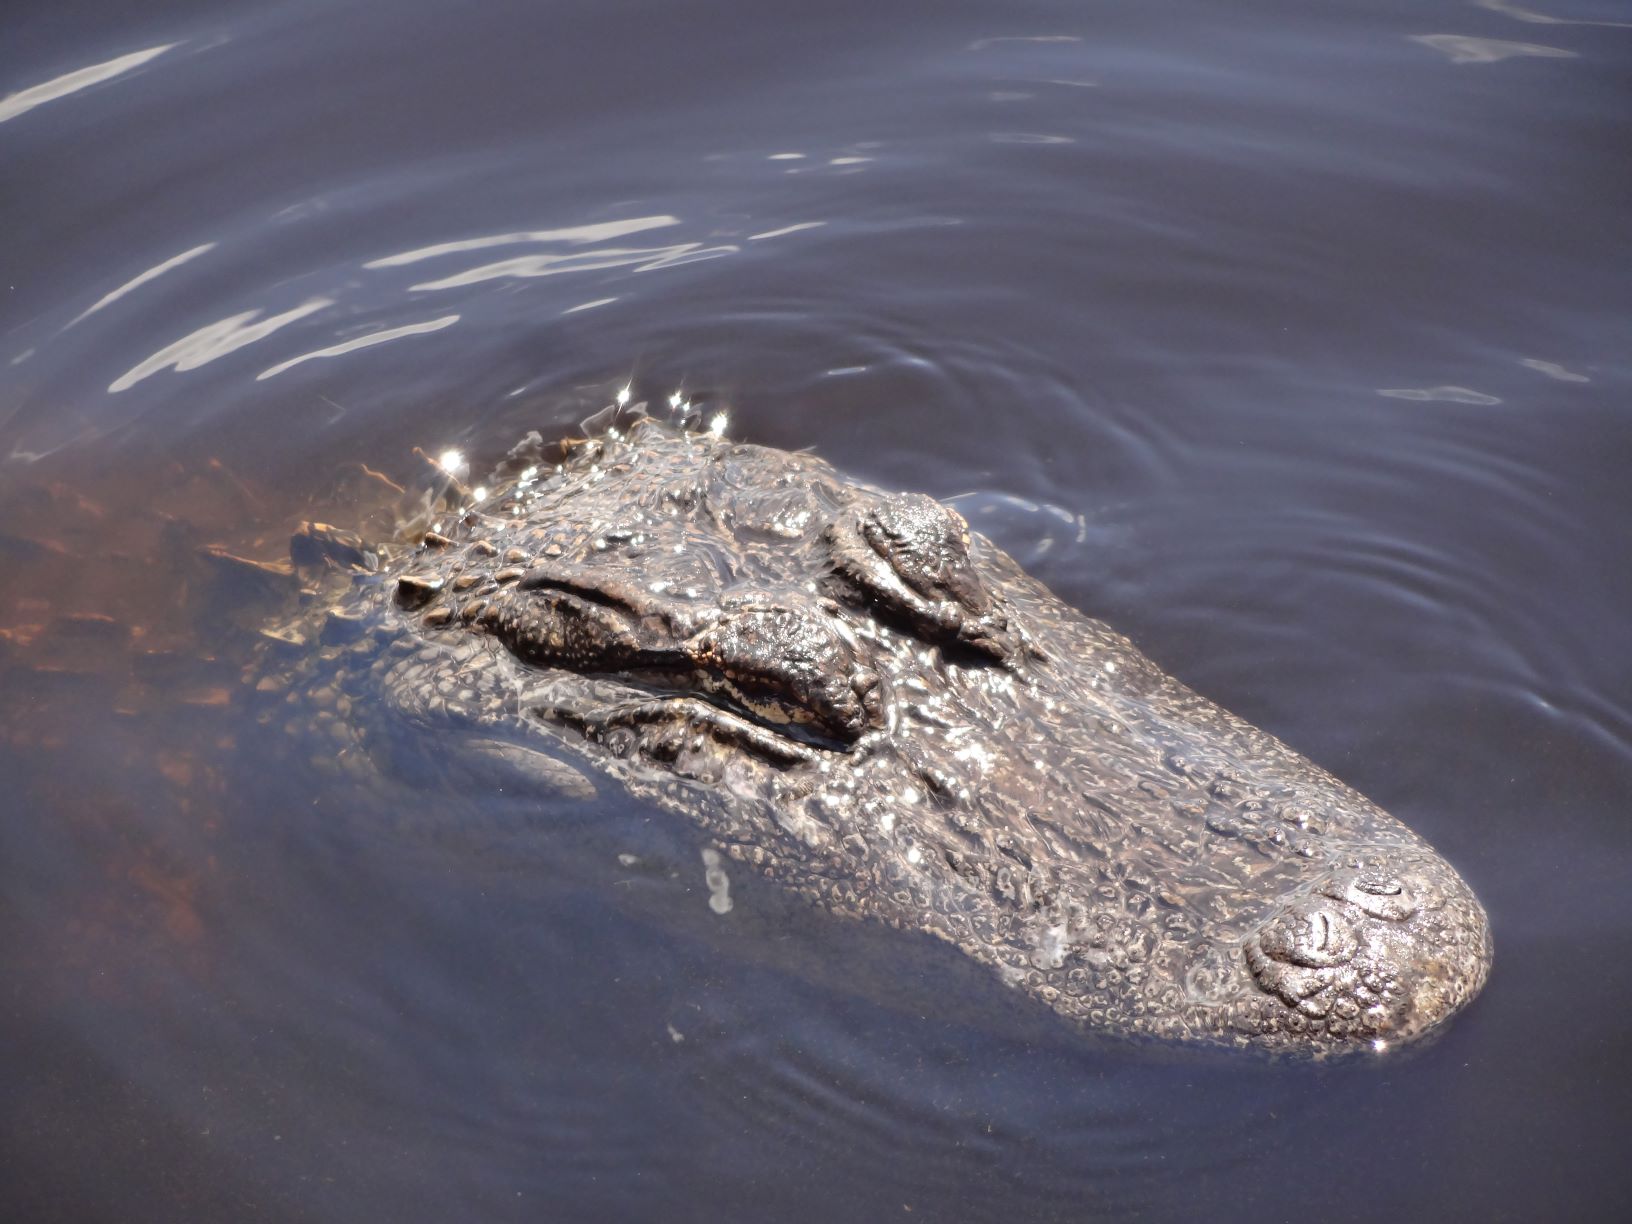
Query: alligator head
point(859, 698)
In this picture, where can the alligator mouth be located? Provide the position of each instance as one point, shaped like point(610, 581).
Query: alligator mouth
point(632, 715)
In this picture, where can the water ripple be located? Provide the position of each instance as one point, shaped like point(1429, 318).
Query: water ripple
point(1508, 9)
point(1553, 370)
point(1463, 49)
point(576, 235)
point(525, 267)
point(215, 340)
point(25, 100)
point(1443, 395)
point(136, 282)
point(361, 342)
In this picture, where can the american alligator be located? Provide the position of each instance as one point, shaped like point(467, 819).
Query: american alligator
point(860, 699)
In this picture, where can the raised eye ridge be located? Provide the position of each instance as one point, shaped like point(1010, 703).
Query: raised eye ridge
point(908, 556)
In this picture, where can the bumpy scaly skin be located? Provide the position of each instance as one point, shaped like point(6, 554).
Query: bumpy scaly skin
point(859, 698)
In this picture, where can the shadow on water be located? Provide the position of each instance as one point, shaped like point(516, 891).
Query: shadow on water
point(1289, 340)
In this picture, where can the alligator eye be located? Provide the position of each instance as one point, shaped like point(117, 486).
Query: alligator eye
point(927, 545)
point(789, 667)
point(559, 620)
point(908, 555)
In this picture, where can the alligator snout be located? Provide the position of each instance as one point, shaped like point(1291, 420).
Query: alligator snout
point(1378, 951)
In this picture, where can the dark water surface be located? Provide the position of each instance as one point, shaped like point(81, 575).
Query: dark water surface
point(1293, 339)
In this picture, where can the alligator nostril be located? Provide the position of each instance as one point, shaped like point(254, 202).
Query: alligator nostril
point(1378, 883)
point(1314, 937)
point(1379, 891)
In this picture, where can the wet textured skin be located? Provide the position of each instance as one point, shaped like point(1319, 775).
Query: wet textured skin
point(858, 698)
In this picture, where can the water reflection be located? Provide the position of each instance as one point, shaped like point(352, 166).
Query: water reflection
point(1463, 49)
point(215, 340)
point(1444, 395)
point(1508, 9)
point(26, 100)
point(1553, 370)
point(578, 235)
point(637, 259)
point(981, 44)
point(227, 335)
point(136, 282)
point(361, 342)
point(1030, 529)
point(554, 263)
point(1035, 138)
point(789, 229)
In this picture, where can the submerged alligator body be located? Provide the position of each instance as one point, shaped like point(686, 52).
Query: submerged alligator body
point(858, 698)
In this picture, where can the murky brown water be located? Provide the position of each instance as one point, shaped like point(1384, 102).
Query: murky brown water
point(1291, 339)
